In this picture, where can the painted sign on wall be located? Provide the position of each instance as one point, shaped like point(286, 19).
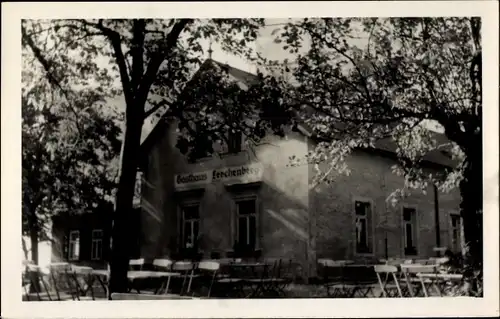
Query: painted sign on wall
point(228, 175)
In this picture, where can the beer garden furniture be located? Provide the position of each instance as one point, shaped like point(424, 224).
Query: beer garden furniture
point(387, 276)
point(63, 280)
point(34, 280)
point(346, 279)
point(134, 296)
point(134, 276)
point(440, 280)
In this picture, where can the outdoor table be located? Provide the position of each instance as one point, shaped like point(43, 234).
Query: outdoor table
point(85, 273)
point(255, 283)
point(353, 286)
point(439, 280)
point(34, 276)
point(165, 276)
point(102, 276)
point(134, 275)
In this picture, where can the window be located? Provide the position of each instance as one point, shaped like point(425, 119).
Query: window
point(246, 228)
point(190, 225)
point(74, 245)
point(234, 141)
point(96, 252)
point(363, 229)
point(410, 231)
point(202, 145)
point(456, 233)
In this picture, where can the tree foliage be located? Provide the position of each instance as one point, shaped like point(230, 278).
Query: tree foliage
point(410, 70)
point(150, 61)
point(356, 81)
point(69, 150)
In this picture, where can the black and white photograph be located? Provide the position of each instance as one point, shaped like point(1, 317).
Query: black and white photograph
point(244, 158)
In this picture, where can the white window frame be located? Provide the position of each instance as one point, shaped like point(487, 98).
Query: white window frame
point(95, 244)
point(460, 232)
point(71, 248)
point(236, 230)
point(369, 224)
point(416, 231)
point(183, 220)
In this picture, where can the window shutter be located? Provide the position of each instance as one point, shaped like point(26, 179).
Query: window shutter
point(369, 226)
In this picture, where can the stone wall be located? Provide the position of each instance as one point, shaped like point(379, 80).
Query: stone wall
point(371, 179)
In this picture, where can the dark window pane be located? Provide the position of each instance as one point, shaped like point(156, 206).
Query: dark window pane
point(358, 230)
point(363, 232)
point(195, 229)
point(246, 207)
point(187, 234)
point(75, 236)
point(234, 142)
point(191, 212)
point(252, 231)
point(242, 230)
point(407, 214)
point(362, 235)
point(409, 239)
point(361, 208)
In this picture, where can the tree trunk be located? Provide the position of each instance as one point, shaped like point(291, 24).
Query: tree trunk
point(34, 239)
point(33, 230)
point(123, 224)
point(471, 206)
point(25, 249)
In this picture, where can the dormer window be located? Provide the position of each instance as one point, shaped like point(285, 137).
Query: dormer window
point(234, 141)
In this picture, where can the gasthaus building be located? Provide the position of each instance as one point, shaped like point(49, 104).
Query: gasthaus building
point(251, 202)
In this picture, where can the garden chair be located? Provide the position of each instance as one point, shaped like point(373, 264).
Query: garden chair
point(83, 279)
point(34, 283)
point(414, 283)
point(388, 280)
point(185, 269)
point(164, 266)
point(422, 262)
point(206, 276)
point(136, 264)
point(63, 281)
point(135, 274)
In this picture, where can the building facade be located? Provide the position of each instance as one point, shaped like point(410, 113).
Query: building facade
point(84, 239)
point(249, 201)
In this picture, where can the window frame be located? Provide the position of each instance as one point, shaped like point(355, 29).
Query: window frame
point(71, 256)
point(94, 241)
point(235, 218)
point(182, 220)
point(460, 231)
point(230, 136)
point(416, 230)
point(370, 226)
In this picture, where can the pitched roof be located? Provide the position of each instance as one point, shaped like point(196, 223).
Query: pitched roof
point(240, 76)
point(440, 157)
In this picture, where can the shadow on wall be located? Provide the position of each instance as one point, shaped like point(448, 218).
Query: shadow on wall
point(155, 237)
point(285, 223)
